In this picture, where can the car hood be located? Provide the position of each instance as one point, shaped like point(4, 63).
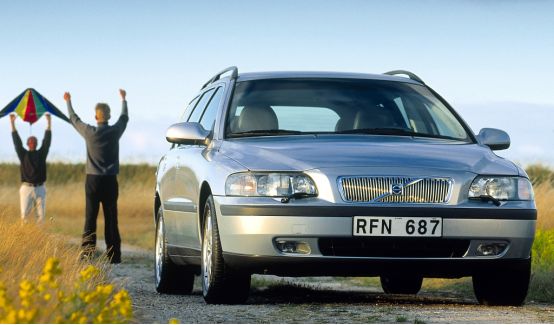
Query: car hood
point(327, 151)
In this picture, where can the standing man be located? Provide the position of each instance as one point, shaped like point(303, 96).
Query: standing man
point(32, 194)
point(102, 168)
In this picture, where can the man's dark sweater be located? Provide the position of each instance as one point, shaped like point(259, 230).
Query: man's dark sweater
point(102, 142)
point(33, 163)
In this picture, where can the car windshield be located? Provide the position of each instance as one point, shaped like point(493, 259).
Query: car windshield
point(339, 106)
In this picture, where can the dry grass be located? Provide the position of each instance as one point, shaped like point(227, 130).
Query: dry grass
point(24, 250)
point(544, 198)
point(43, 280)
point(65, 201)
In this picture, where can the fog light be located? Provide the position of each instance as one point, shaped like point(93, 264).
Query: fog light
point(293, 247)
point(491, 249)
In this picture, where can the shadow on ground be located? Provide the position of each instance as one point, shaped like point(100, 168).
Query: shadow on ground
point(295, 294)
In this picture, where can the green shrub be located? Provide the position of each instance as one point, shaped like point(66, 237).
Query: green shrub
point(542, 284)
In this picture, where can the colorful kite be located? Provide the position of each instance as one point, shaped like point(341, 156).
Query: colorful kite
point(30, 105)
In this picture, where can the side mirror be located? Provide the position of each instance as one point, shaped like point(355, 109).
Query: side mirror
point(494, 138)
point(187, 133)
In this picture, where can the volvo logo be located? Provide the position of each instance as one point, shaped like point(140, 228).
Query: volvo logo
point(397, 189)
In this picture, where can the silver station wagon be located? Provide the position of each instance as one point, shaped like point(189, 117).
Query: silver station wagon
point(337, 174)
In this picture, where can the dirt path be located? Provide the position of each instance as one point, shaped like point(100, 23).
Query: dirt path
point(274, 300)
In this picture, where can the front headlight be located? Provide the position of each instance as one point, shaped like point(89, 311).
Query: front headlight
point(269, 184)
point(501, 188)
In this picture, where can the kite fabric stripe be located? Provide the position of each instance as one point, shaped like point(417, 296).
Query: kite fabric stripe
point(50, 108)
point(39, 107)
point(11, 106)
point(22, 107)
point(30, 105)
point(31, 115)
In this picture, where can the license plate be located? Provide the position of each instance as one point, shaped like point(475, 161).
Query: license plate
point(397, 226)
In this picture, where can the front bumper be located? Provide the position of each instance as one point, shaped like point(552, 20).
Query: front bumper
point(335, 266)
point(248, 233)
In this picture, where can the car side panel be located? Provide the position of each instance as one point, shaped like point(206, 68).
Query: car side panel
point(168, 197)
point(187, 189)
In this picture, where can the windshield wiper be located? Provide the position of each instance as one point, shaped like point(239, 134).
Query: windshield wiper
point(262, 132)
point(384, 131)
point(395, 131)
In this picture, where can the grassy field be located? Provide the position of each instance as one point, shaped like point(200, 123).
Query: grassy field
point(65, 203)
point(65, 214)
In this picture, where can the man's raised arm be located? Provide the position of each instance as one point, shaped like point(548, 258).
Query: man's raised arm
point(16, 139)
point(79, 125)
point(121, 123)
point(47, 136)
point(123, 95)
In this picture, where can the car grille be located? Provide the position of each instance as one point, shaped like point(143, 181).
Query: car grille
point(393, 247)
point(407, 190)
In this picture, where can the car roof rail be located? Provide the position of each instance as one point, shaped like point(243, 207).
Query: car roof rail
point(410, 75)
point(234, 75)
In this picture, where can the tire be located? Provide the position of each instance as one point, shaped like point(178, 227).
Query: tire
point(401, 284)
point(220, 284)
point(169, 277)
point(503, 287)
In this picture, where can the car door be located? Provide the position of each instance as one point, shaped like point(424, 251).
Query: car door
point(168, 183)
point(190, 162)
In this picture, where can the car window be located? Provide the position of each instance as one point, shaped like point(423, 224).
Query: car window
point(294, 117)
point(199, 109)
point(400, 105)
point(444, 121)
point(411, 115)
point(208, 118)
point(189, 109)
point(340, 106)
point(323, 119)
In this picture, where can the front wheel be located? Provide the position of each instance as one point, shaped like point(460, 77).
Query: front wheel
point(169, 277)
point(503, 287)
point(401, 284)
point(220, 284)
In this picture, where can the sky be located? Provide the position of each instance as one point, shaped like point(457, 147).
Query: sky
point(491, 60)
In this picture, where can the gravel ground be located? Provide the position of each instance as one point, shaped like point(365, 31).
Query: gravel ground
point(301, 300)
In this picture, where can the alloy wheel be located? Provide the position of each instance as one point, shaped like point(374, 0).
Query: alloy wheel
point(207, 251)
point(159, 250)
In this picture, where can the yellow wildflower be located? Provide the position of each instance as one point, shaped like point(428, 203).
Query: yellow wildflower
point(26, 291)
point(87, 302)
point(11, 317)
point(88, 273)
point(47, 297)
point(52, 266)
point(75, 316)
point(4, 299)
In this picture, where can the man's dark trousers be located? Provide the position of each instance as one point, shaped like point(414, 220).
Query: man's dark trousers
point(102, 189)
